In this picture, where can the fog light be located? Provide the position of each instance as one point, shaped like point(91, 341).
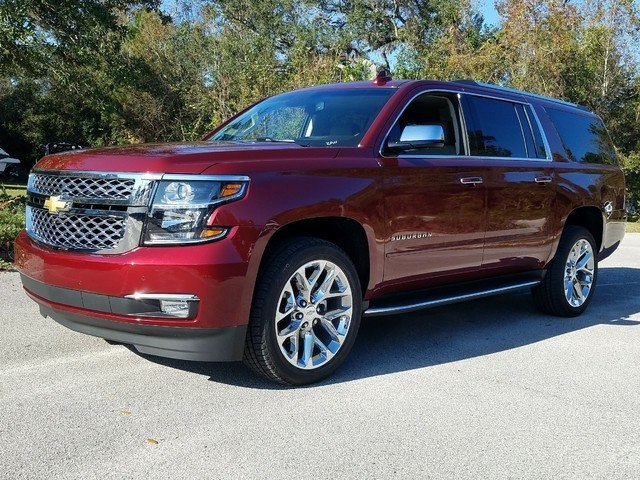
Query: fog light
point(175, 308)
point(163, 305)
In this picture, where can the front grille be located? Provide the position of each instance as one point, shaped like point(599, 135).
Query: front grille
point(77, 232)
point(99, 188)
point(88, 211)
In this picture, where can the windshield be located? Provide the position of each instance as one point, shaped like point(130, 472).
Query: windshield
point(332, 118)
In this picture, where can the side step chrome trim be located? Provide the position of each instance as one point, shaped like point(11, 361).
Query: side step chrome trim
point(411, 307)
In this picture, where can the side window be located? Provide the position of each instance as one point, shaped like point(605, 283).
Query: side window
point(493, 128)
point(428, 126)
point(584, 137)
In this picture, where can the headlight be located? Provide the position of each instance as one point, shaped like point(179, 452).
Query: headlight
point(182, 205)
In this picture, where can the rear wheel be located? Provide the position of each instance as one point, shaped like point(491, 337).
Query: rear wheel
point(305, 314)
point(570, 280)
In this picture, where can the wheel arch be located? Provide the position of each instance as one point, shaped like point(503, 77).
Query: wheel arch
point(591, 218)
point(345, 232)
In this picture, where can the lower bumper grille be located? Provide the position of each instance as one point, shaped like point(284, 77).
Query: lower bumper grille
point(76, 231)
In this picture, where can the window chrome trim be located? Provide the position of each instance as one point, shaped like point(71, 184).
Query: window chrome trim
point(524, 138)
point(464, 128)
point(533, 135)
point(543, 134)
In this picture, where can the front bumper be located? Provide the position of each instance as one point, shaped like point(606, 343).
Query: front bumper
point(88, 293)
point(198, 344)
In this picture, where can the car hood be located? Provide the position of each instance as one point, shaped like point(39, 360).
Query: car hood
point(178, 157)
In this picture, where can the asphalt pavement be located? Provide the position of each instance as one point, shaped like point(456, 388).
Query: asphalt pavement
point(485, 389)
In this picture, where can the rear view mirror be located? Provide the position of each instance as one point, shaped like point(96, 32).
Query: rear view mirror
point(415, 137)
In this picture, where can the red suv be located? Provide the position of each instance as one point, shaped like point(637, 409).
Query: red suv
point(272, 237)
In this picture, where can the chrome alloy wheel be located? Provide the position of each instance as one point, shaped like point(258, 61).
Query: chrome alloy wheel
point(579, 273)
point(313, 314)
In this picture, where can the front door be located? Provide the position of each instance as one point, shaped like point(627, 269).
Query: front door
point(435, 201)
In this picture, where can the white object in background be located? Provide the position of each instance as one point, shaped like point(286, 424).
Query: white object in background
point(5, 160)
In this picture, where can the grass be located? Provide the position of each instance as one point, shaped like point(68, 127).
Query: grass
point(633, 227)
point(13, 189)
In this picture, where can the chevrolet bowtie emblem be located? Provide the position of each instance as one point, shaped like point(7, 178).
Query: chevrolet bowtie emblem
point(55, 205)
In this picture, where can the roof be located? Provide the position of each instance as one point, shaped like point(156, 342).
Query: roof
point(500, 88)
point(454, 84)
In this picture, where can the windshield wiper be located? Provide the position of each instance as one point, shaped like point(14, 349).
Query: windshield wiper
point(279, 140)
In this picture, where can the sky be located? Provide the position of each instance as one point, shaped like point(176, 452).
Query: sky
point(488, 9)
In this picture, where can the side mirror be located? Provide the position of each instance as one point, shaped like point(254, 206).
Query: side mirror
point(415, 137)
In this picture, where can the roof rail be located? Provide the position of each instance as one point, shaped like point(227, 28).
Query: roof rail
point(520, 92)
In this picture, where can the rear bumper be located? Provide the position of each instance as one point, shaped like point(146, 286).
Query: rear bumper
point(184, 343)
point(613, 234)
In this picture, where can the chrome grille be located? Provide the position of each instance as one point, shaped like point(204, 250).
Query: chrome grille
point(75, 231)
point(102, 212)
point(100, 188)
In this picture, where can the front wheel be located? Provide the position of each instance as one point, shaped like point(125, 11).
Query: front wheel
point(570, 280)
point(305, 314)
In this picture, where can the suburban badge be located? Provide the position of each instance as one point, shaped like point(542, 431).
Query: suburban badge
point(411, 236)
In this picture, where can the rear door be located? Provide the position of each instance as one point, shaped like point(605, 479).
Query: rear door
point(434, 198)
point(519, 182)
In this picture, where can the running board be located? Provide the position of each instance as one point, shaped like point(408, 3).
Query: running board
point(444, 300)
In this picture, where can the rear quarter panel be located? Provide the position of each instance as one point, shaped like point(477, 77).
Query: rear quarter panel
point(581, 185)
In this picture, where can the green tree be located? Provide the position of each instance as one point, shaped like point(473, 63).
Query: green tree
point(33, 34)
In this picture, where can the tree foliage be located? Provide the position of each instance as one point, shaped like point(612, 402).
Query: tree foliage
point(36, 34)
point(98, 72)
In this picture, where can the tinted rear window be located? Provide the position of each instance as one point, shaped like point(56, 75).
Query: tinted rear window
point(494, 128)
point(584, 137)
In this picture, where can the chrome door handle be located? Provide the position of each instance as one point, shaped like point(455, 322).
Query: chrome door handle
point(471, 180)
point(544, 179)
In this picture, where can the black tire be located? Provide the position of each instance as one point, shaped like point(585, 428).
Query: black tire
point(262, 352)
point(549, 296)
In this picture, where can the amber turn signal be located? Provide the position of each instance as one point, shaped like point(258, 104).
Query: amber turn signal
point(230, 189)
point(213, 232)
